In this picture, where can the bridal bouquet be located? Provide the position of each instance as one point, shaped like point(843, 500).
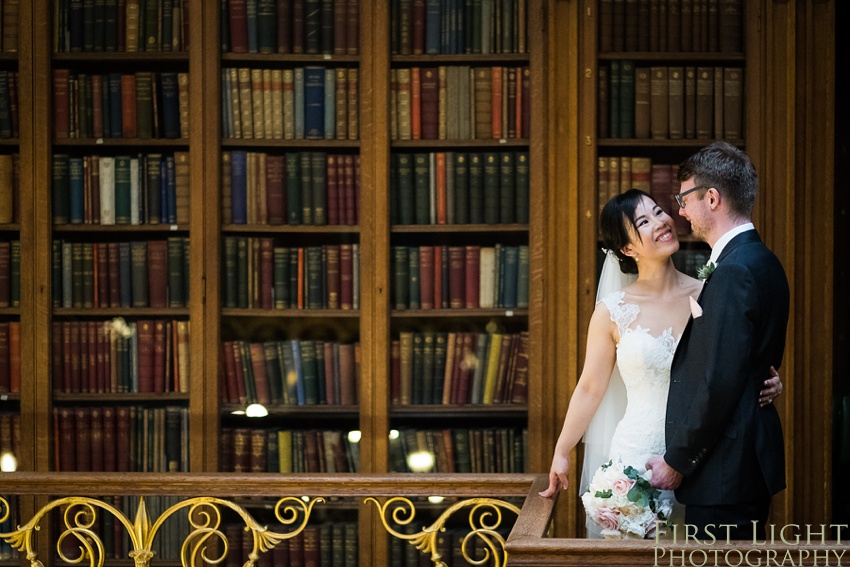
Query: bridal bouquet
point(623, 503)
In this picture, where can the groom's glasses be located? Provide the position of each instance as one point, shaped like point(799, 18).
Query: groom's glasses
point(679, 197)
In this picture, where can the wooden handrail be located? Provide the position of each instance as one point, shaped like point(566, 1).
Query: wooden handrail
point(261, 484)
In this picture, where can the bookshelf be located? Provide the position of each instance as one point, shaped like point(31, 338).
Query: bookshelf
point(670, 78)
point(563, 148)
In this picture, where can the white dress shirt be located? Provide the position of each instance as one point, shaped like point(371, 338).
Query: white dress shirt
point(724, 240)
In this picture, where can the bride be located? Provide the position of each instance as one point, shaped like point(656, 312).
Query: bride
point(621, 396)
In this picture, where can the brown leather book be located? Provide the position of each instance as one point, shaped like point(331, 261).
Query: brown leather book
point(730, 26)
point(733, 108)
point(705, 102)
point(157, 274)
point(642, 103)
point(676, 102)
point(659, 94)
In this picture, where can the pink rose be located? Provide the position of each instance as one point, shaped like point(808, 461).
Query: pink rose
point(607, 518)
point(621, 487)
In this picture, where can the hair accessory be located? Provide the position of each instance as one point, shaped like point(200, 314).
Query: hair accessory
point(611, 253)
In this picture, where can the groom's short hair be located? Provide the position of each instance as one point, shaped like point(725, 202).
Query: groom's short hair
point(729, 170)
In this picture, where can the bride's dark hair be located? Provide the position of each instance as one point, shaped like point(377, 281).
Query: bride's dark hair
point(615, 234)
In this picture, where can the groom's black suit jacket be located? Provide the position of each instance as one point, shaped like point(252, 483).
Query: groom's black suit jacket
point(728, 448)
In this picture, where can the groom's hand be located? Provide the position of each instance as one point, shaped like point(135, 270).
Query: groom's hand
point(664, 476)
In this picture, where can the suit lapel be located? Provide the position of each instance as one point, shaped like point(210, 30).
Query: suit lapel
point(747, 237)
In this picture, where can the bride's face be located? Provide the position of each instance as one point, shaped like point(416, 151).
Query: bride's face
point(653, 234)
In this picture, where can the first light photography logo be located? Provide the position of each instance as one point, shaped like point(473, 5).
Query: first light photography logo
point(791, 545)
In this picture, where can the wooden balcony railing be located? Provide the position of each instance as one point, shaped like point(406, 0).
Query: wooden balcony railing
point(384, 504)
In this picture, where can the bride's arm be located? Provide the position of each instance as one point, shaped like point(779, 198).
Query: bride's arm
point(598, 365)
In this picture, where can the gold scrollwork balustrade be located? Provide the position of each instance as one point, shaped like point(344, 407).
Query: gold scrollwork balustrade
point(485, 518)
point(204, 516)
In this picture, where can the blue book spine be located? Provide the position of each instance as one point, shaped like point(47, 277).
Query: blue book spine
point(330, 91)
point(296, 359)
point(251, 10)
point(124, 274)
point(171, 190)
point(165, 212)
point(170, 105)
point(432, 27)
point(299, 103)
point(314, 102)
point(239, 187)
point(77, 191)
point(115, 105)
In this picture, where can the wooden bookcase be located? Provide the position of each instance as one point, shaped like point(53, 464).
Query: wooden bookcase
point(563, 148)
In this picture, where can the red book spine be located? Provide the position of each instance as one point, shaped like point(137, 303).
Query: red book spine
point(128, 106)
point(519, 391)
point(159, 357)
point(266, 273)
point(238, 26)
point(144, 347)
point(122, 439)
point(340, 16)
point(82, 430)
point(258, 365)
point(284, 19)
point(103, 358)
point(66, 356)
point(97, 105)
point(297, 26)
point(349, 181)
point(457, 369)
point(236, 349)
point(347, 375)
point(158, 274)
point(65, 439)
point(426, 277)
point(496, 102)
point(76, 386)
point(430, 104)
point(330, 374)
point(418, 27)
point(55, 356)
point(457, 269)
point(333, 280)
point(92, 345)
point(346, 277)
point(473, 276)
point(438, 277)
point(466, 370)
point(416, 103)
point(109, 437)
point(355, 206)
point(526, 102)
point(113, 271)
point(61, 103)
point(97, 440)
point(229, 391)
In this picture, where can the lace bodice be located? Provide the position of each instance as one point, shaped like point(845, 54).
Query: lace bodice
point(644, 362)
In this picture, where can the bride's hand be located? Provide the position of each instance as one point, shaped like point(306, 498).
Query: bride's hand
point(772, 388)
point(557, 476)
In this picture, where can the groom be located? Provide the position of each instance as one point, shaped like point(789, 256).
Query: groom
point(725, 455)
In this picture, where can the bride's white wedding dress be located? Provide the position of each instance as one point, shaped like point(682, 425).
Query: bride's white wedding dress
point(644, 361)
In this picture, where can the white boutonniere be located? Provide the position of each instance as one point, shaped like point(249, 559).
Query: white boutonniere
point(704, 271)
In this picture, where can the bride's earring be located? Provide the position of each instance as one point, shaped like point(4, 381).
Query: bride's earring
point(637, 259)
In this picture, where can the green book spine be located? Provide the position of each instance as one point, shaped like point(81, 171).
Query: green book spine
point(414, 299)
point(440, 352)
point(319, 348)
point(422, 189)
point(491, 188)
point(627, 98)
point(99, 24)
point(56, 274)
point(60, 190)
point(267, 26)
point(461, 188)
point(122, 190)
point(428, 346)
point(314, 277)
point(272, 452)
point(309, 373)
point(476, 188)
point(507, 188)
point(151, 26)
point(15, 275)
point(293, 188)
point(230, 293)
point(244, 349)
point(273, 376)
point(522, 278)
point(318, 174)
point(614, 99)
point(144, 105)
point(306, 187)
point(401, 277)
point(405, 189)
point(175, 273)
point(242, 272)
point(167, 36)
point(522, 188)
point(153, 181)
point(281, 278)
